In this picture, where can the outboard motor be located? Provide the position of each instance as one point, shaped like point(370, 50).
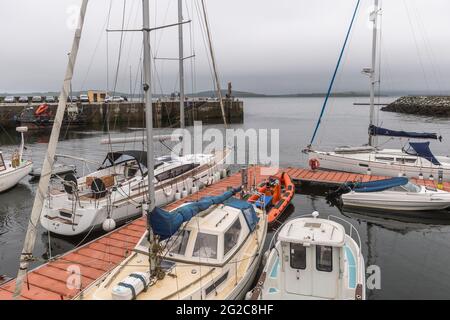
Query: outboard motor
point(98, 188)
point(70, 183)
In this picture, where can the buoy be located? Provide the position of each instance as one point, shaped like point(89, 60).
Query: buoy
point(168, 191)
point(144, 209)
point(421, 176)
point(177, 195)
point(194, 189)
point(315, 214)
point(109, 225)
point(184, 193)
point(369, 172)
point(314, 164)
point(431, 177)
point(217, 176)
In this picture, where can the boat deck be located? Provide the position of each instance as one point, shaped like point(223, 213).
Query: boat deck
point(57, 279)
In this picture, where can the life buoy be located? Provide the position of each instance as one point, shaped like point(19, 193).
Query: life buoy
point(314, 164)
point(41, 109)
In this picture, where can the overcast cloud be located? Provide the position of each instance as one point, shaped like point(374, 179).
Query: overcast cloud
point(276, 46)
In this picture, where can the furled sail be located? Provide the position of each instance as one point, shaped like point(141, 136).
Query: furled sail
point(377, 131)
point(165, 224)
point(378, 185)
point(422, 149)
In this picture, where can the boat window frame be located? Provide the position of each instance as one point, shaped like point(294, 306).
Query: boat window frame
point(230, 249)
point(326, 268)
point(185, 237)
point(203, 246)
point(385, 159)
point(291, 255)
point(2, 163)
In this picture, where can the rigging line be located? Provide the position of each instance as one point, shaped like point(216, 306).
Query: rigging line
point(122, 34)
point(107, 47)
point(335, 72)
point(416, 45)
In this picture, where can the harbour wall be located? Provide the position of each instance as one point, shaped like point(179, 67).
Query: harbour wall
point(433, 106)
point(165, 113)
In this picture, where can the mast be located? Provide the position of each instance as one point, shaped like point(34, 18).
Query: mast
point(213, 59)
point(374, 19)
point(149, 127)
point(181, 60)
point(30, 238)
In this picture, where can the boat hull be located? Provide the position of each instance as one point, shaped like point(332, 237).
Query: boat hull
point(357, 164)
point(11, 177)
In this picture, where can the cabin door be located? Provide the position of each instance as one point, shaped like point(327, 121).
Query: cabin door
point(298, 259)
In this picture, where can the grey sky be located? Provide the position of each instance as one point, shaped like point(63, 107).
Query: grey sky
point(276, 46)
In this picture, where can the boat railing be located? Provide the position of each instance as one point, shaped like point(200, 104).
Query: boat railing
point(353, 231)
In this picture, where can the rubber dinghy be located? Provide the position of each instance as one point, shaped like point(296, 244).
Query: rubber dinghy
point(275, 194)
point(397, 194)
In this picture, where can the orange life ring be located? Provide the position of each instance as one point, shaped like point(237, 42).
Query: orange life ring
point(41, 109)
point(314, 164)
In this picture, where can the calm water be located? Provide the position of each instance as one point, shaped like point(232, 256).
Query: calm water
point(412, 253)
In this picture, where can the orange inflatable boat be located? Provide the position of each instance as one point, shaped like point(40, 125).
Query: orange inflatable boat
point(275, 193)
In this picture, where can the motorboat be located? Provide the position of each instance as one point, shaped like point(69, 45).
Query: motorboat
point(15, 169)
point(396, 194)
point(208, 249)
point(116, 191)
point(275, 194)
point(313, 258)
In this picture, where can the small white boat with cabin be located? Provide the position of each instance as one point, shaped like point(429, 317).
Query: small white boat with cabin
point(209, 249)
point(396, 194)
point(116, 191)
point(313, 258)
point(15, 169)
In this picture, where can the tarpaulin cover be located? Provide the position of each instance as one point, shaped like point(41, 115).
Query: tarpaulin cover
point(379, 185)
point(422, 149)
point(377, 131)
point(165, 224)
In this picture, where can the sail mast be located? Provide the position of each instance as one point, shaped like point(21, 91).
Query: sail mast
point(149, 125)
point(374, 19)
point(181, 60)
point(213, 59)
point(30, 238)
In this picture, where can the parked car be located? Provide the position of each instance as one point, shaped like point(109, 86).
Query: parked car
point(117, 99)
point(72, 99)
point(84, 98)
point(9, 99)
point(50, 99)
point(36, 99)
point(23, 99)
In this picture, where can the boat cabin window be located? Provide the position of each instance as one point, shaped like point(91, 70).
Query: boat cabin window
point(205, 246)
point(175, 172)
point(2, 163)
point(178, 243)
point(406, 160)
point(384, 158)
point(324, 258)
point(298, 256)
point(231, 237)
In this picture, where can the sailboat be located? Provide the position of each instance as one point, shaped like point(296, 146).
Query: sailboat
point(116, 192)
point(413, 161)
point(15, 169)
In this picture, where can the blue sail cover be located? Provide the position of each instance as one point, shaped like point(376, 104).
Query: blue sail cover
point(247, 209)
point(377, 131)
point(379, 185)
point(165, 224)
point(422, 149)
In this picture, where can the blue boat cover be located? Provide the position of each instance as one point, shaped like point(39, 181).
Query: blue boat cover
point(379, 185)
point(247, 209)
point(422, 149)
point(165, 224)
point(377, 131)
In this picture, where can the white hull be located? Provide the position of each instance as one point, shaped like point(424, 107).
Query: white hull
point(362, 162)
point(11, 176)
point(388, 200)
point(57, 215)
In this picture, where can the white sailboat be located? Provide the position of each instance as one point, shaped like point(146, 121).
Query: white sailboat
point(117, 190)
point(15, 169)
point(313, 258)
point(414, 161)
